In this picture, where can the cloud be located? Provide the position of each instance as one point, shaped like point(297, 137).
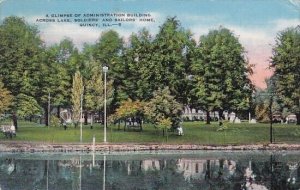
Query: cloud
point(282, 24)
point(54, 33)
point(257, 41)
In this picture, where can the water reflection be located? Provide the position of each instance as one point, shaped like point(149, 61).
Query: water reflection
point(151, 171)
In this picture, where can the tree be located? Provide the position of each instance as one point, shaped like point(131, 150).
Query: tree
point(285, 61)
point(130, 109)
point(54, 79)
point(64, 50)
point(164, 124)
point(27, 106)
point(163, 106)
point(267, 99)
point(171, 59)
point(94, 93)
point(137, 76)
point(77, 93)
point(107, 52)
point(221, 73)
point(64, 60)
point(6, 98)
point(108, 47)
point(20, 55)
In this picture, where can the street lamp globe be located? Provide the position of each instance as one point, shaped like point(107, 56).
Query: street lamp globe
point(105, 69)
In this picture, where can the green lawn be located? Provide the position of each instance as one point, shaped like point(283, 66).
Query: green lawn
point(194, 133)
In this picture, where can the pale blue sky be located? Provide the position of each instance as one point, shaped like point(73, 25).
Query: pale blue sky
point(255, 22)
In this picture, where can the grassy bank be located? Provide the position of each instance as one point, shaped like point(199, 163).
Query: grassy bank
point(194, 133)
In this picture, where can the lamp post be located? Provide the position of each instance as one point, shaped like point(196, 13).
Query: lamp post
point(272, 86)
point(105, 69)
point(49, 109)
point(271, 117)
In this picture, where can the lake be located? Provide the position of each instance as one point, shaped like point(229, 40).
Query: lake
point(226, 170)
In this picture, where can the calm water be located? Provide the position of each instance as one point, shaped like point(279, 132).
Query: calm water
point(168, 170)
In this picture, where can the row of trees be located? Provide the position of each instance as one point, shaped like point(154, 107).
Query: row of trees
point(210, 75)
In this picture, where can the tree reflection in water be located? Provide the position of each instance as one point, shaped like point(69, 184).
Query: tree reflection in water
point(262, 171)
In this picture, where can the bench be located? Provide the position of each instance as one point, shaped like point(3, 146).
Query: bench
point(134, 127)
point(8, 131)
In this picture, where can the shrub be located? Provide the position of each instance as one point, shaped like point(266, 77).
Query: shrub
point(54, 121)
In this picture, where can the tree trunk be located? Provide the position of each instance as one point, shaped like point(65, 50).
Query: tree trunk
point(92, 119)
point(58, 111)
point(125, 125)
point(298, 118)
point(140, 123)
point(15, 120)
point(221, 114)
point(207, 117)
point(167, 133)
point(99, 116)
point(85, 118)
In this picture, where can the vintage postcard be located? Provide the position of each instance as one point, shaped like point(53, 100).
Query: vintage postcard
point(149, 94)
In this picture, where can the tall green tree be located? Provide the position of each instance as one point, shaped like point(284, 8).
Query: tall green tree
point(108, 48)
point(137, 81)
point(6, 98)
point(59, 63)
point(54, 80)
point(20, 55)
point(286, 62)
point(108, 51)
point(68, 55)
point(77, 95)
point(221, 72)
point(65, 60)
point(65, 49)
point(171, 58)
